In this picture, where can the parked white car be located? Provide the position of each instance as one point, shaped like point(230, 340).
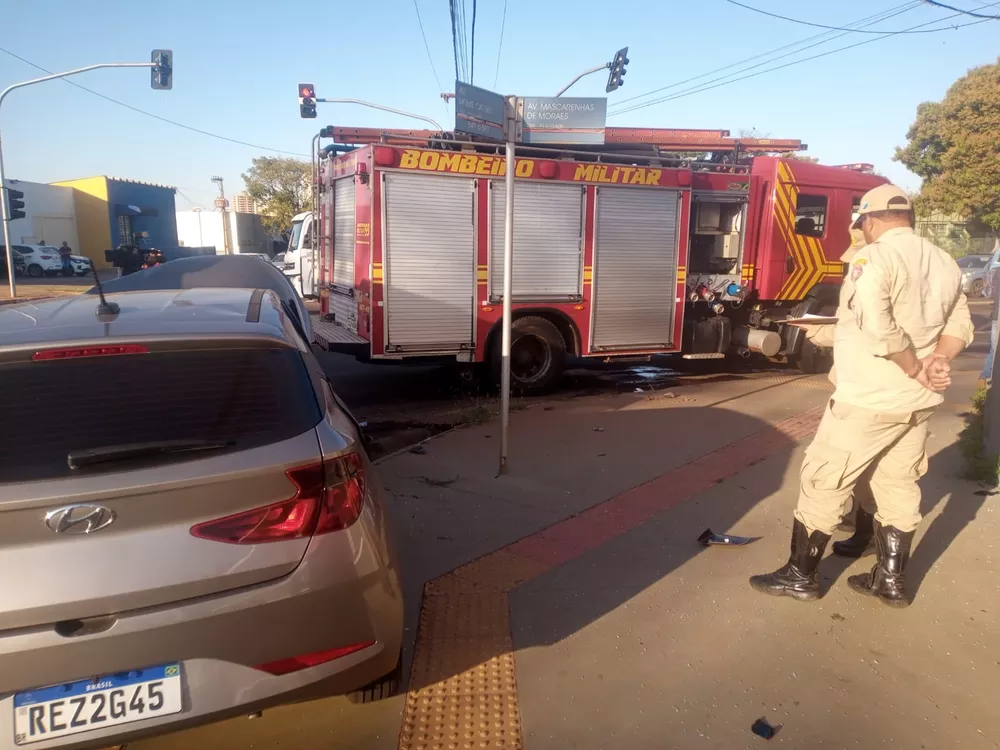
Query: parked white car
point(80, 264)
point(40, 260)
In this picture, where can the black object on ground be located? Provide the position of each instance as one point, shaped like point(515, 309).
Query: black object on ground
point(709, 538)
point(762, 728)
point(418, 449)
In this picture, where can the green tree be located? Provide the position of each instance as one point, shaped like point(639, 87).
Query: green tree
point(954, 145)
point(281, 187)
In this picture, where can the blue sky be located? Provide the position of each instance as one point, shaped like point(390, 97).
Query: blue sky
point(237, 66)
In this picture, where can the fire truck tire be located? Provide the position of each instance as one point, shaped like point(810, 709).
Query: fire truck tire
point(812, 359)
point(537, 355)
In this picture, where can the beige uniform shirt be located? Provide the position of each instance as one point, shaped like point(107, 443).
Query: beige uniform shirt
point(899, 291)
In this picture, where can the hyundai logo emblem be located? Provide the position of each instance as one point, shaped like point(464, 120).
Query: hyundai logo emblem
point(79, 519)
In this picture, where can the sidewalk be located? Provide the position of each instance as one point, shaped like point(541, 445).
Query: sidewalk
point(568, 604)
point(612, 627)
point(29, 289)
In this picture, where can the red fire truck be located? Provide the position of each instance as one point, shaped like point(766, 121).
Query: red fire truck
point(628, 250)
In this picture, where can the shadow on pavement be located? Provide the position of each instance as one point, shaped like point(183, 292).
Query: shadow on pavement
point(647, 461)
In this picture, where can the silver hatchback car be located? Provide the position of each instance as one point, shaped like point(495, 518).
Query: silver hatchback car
point(190, 528)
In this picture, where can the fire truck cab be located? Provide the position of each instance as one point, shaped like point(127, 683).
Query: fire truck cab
point(616, 253)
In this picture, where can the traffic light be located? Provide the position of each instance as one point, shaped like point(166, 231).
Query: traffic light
point(15, 204)
point(617, 70)
point(307, 101)
point(162, 72)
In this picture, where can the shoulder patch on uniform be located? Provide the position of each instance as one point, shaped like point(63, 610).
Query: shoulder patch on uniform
point(860, 261)
point(857, 269)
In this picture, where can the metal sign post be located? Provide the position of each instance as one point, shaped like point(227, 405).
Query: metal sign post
point(508, 266)
point(529, 120)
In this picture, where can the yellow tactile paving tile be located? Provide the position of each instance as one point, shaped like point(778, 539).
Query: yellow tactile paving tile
point(497, 571)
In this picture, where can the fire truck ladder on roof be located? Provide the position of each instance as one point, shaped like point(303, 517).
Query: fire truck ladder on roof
point(663, 140)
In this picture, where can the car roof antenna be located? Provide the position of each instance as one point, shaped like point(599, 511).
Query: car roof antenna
point(105, 309)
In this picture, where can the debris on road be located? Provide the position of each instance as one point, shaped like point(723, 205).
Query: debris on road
point(762, 728)
point(438, 482)
point(418, 449)
point(598, 429)
point(837, 617)
point(709, 538)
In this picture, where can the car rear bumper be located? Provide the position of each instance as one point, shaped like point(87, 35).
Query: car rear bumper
point(220, 639)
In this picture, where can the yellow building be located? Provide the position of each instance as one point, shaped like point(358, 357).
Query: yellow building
point(112, 211)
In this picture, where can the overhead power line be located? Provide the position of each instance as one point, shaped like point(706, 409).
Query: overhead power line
point(963, 12)
point(427, 47)
point(795, 47)
point(150, 114)
point(472, 74)
point(705, 87)
point(824, 26)
point(463, 48)
point(503, 23)
point(454, 36)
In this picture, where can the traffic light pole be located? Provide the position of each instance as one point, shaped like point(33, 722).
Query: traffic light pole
point(584, 74)
point(3, 182)
point(361, 103)
point(317, 240)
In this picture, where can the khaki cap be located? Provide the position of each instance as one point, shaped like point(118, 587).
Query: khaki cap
point(883, 198)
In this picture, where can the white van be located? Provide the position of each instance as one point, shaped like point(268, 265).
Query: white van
point(299, 261)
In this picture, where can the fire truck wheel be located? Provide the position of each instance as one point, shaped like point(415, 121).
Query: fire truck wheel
point(813, 359)
point(537, 355)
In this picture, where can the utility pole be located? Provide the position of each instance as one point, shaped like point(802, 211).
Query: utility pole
point(222, 204)
point(161, 69)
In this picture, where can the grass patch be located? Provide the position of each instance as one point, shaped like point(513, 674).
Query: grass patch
point(979, 466)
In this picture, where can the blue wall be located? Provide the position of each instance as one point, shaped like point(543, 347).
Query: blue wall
point(162, 228)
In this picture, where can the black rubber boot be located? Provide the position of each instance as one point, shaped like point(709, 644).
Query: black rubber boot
point(886, 580)
point(864, 532)
point(798, 578)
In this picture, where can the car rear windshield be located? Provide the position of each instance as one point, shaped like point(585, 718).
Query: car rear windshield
point(242, 398)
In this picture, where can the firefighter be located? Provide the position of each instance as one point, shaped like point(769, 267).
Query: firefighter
point(864, 502)
point(902, 319)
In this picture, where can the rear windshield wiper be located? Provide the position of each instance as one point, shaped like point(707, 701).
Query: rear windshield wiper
point(125, 451)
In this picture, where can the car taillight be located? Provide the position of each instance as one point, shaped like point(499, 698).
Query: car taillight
point(296, 663)
point(89, 351)
point(330, 497)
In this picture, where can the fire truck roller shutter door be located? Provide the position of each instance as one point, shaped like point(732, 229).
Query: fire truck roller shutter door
point(635, 268)
point(548, 223)
point(344, 306)
point(430, 263)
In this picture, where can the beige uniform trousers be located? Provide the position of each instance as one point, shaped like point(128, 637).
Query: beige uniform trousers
point(853, 445)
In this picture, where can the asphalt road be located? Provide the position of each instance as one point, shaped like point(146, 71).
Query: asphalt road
point(388, 390)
